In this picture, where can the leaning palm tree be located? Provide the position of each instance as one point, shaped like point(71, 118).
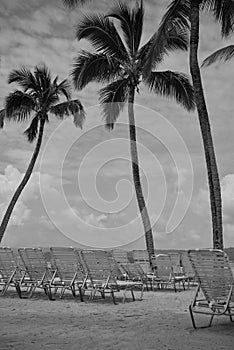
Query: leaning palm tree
point(185, 14)
point(38, 97)
point(119, 61)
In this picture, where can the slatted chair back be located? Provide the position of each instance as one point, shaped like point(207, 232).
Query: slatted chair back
point(163, 265)
point(187, 265)
point(175, 262)
point(142, 257)
point(232, 266)
point(134, 272)
point(98, 266)
point(35, 264)
point(213, 273)
point(8, 264)
point(10, 273)
point(67, 263)
point(121, 256)
point(116, 268)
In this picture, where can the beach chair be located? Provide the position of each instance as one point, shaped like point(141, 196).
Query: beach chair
point(135, 273)
point(120, 255)
point(165, 276)
point(142, 257)
point(9, 271)
point(100, 275)
point(215, 292)
point(68, 273)
point(37, 274)
point(187, 268)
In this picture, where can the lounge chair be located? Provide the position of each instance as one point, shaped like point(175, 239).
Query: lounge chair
point(37, 273)
point(9, 271)
point(69, 273)
point(215, 292)
point(187, 268)
point(101, 277)
point(135, 273)
point(165, 276)
point(142, 257)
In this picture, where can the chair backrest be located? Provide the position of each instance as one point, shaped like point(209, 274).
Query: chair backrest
point(67, 263)
point(134, 271)
point(35, 263)
point(232, 266)
point(213, 273)
point(175, 261)
point(188, 269)
point(116, 268)
point(8, 264)
point(121, 256)
point(142, 257)
point(98, 266)
point(163, 265)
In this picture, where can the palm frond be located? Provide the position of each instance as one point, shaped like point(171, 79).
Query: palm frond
point(63, 88)
point(19, 105)
point(32, 130)
point(97, 67)
point(24, 78)
point(131, 22)
point(102, 34)
point(112, 98)
point(73, 107)
point(174, 85)
point(175, 19)
point(176, 39)
point(73, 3)
point(223, 11)
point(224, 54)
point(2, 117)
point(43, 78)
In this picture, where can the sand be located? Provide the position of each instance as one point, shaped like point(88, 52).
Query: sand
point(160, 321)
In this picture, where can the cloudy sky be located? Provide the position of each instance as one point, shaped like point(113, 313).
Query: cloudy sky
point(81, 190)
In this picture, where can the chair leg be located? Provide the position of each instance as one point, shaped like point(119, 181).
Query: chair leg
point(18, 290)
point(80, 293)
point(230, 315)
point(73, 291)
point(113, 297)
point(211, 319)
point(32, 290)
point(192, 317)
point(47, 290)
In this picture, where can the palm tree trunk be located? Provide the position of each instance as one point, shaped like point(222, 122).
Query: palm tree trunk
point(212, 170)
point(24, 181)
point(136, 176)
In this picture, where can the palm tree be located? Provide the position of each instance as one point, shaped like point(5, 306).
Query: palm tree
point(224, 54)
point(39, 96)
point(185, 14)
point(120, 63)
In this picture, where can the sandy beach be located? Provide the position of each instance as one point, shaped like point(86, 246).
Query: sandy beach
point(160, 321)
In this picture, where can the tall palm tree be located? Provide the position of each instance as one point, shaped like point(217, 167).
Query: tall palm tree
point(39, 96)
point(185, 14)
point(119, 61)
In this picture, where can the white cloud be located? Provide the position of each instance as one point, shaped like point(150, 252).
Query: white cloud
point(96, 220)
point(9, 182)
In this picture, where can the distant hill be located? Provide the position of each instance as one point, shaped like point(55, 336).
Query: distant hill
point(229, 251)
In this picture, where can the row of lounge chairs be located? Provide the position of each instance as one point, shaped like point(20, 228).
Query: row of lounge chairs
point(88, 272)
point(80, 272)
point(63, 268)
